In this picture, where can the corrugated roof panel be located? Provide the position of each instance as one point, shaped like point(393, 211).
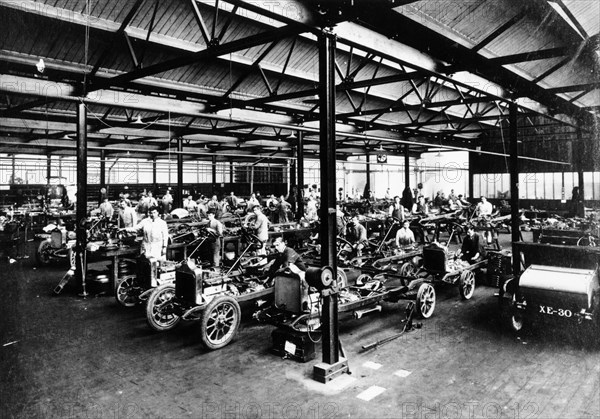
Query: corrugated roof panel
point(587, 13)
point(522, 38)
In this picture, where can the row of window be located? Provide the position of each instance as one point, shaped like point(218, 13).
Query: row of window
point(553, 185)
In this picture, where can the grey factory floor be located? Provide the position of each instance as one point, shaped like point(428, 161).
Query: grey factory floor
point(65, 356)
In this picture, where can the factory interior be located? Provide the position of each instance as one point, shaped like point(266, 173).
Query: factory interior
point(300, 209)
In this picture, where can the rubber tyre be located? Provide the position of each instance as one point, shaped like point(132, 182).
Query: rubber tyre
point(157, 314)
point(407, 269)
point(466, 284)
point(124, 294)
point(41, 256)
point(220, 322)
point(425, 303)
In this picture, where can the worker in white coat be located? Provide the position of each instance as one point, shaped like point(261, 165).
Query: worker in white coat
point(155, 233)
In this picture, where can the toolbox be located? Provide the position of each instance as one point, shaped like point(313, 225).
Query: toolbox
point(293, 345)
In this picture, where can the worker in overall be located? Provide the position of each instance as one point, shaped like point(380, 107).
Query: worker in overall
point(357, 235)
point(155, 233)
point(286, 258)
point(404, 235)
point(472, 249)
point(106, 209)
point(261, 225)
point(127, 216)
point(216, 246)
point(396, 210)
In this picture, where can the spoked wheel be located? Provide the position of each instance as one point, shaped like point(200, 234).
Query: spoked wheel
point(159, 309)
point(220, 321)
point(341, 278)
point(425, 303)
point(42, 256)
point(590, 241)
point(344, 249)
point(408, 269)
point(127, 291)
point(466, 284)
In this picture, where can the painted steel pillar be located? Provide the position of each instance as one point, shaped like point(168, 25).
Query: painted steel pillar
point(179, 195)
point(328, 199)
point(81, 205)
point(407, 166)
point(300, 166)
point(102, 169)
point(514, 185)
point(580, 153)
point(214, 174)
point(154, 185)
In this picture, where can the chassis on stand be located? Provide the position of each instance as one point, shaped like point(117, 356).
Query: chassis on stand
point(297, 308)
point(435, 266)
point(208, 296)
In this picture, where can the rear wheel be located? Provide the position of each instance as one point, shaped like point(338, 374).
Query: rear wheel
point(220, 322)
point(160, 312)
point(127, 291)
point(408, 269)
point(466, 284)
point(425, 304)
point(42, 256)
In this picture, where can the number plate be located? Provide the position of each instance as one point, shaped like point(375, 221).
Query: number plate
point(553, 311)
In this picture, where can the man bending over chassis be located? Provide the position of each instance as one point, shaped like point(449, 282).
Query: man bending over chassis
point(286, 257)
point(472, 249)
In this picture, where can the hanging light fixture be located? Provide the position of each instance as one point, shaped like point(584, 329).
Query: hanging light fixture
point(139, 121)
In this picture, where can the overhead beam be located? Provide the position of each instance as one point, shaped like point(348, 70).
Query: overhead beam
point(500, 30)
point(409, 32)
point(205, 54)
point(532, 56)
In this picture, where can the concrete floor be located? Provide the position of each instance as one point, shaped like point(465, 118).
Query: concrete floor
point(64, 356)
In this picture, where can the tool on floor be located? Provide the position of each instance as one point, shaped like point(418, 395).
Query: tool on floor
point(408, 326)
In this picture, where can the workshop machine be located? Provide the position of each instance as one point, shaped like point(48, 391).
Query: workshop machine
point(560, 284)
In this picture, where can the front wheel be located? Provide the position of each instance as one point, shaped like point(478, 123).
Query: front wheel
point(425, 303)
point(160, 312)
point(466, 284)
point(42, 256)
point(127, 291)
point(220, 321)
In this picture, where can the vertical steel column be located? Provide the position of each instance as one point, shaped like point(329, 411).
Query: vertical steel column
point(48, 168)
point(470, 175)
point(580, 153)
point(214, 174)
point(81, 210)
point(328, 201)
point(407, 166)
point(179, 195)
point(231, 180)
point(514, 184)
point(12, 179)
point(102, 169)
point(368, 184)
point(154, 175)
point(300, 164)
